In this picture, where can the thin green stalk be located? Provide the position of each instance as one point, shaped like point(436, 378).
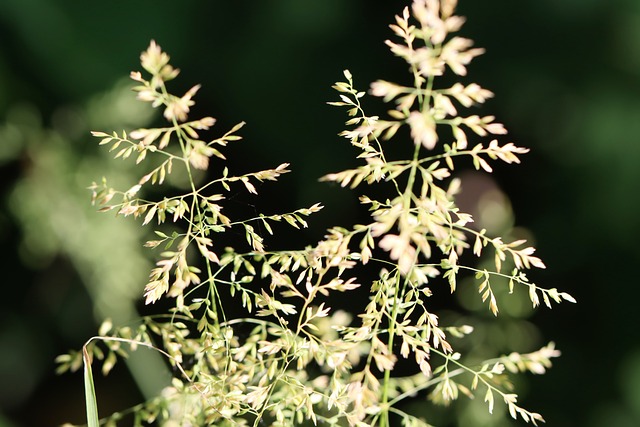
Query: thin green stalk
point(384, 420)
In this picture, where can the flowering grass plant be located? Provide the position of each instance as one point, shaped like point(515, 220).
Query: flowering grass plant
point(291, 359)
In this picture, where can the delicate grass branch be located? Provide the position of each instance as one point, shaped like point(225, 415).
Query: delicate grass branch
point(286, 357)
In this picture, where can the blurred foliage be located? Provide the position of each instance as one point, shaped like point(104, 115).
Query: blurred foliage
point(565, 74)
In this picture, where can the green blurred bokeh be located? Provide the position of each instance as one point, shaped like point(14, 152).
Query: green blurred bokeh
point(566, 74)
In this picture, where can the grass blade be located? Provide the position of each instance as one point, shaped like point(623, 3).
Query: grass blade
point(90, 391)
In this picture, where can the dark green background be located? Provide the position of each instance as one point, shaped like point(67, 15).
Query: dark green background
point(566, 74)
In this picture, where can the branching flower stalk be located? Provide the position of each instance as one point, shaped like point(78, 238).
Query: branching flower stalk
point(301, 361)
